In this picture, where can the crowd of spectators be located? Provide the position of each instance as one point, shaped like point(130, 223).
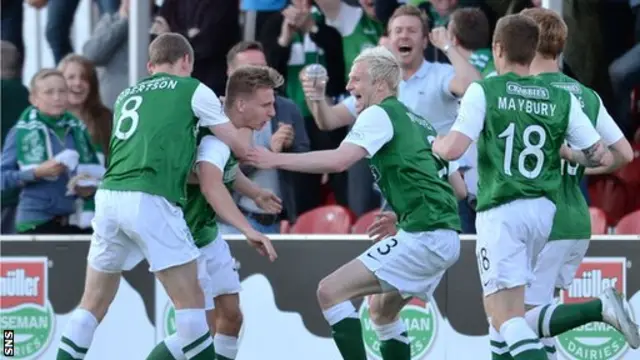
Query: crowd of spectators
point(49, 174)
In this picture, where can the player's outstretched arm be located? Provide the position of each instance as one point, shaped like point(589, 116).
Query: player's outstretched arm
point(233, 138)
point(467, 128)
point(265, 199)
point(208, 109)
point(314, 162)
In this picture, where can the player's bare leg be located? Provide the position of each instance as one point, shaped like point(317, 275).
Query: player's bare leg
point(334, 294)
point(192, 332)
point(392, 332)
point(100, 289)
point(225, 322)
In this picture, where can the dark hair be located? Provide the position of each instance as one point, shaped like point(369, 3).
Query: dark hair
point(518, 36)
point(241, 47)
point(470, 27)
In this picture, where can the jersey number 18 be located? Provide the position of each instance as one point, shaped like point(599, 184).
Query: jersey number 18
point(530, 149)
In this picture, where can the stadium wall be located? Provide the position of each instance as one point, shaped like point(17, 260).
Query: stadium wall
point(42, 278)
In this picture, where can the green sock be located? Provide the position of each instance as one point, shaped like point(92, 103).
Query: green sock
point(521, 339)
point(347, 333)
point(200, 349)
point(555, 319)
point(397, 348)
point(160, 352)
point(69, 350)
point(500, 351)
point(530, 354)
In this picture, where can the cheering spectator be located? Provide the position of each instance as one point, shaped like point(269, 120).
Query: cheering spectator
point(469, 32)
point(284, 133)
point(84, 100)
point(40, 156)
point(296, 38)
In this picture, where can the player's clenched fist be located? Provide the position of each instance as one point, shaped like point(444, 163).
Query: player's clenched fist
point(262, 244)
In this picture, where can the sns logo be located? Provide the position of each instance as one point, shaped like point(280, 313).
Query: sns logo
point(594, 341)
point(24, 306)
point(421, 323)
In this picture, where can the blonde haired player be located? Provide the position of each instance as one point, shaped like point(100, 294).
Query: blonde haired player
point(397, 144)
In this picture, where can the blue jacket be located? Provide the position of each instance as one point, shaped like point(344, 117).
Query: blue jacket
point(40, 200)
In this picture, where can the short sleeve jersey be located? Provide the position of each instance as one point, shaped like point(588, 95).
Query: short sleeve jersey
point(153, 142)
point(523, 121)
point(572, 219)
point(482, 60)
point(410, 176)
point(199, 215)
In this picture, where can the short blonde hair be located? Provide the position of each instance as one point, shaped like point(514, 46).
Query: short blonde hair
point(248, 78)
point(410, 10)
point(41, 75)
point(168, 48)
point(382, 66)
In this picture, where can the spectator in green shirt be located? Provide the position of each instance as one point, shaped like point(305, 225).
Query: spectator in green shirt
point(15, 98)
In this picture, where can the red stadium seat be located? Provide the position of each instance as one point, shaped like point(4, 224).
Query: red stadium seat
point(630, 173)
point(332, 219)
point(598, 221)
point(285, 227)
point(363, 223)
point(629, 225)
point(612, 195)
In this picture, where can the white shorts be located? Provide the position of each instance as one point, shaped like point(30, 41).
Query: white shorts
point(413, 263)
point(555, 269)
point(509, 239)
point(217, 271)
point(130, 226)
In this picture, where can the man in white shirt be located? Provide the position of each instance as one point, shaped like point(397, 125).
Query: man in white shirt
point(431, 90)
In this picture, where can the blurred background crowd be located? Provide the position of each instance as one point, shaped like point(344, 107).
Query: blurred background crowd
point(602, 52)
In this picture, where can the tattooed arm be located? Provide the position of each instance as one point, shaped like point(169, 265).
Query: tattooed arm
point(587, 147)
point(594, 156)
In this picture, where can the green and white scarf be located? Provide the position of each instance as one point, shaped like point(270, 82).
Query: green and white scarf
point(33, 146)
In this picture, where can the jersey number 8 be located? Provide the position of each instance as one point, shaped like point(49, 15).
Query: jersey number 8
point(531, 149)
point(129, 110)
